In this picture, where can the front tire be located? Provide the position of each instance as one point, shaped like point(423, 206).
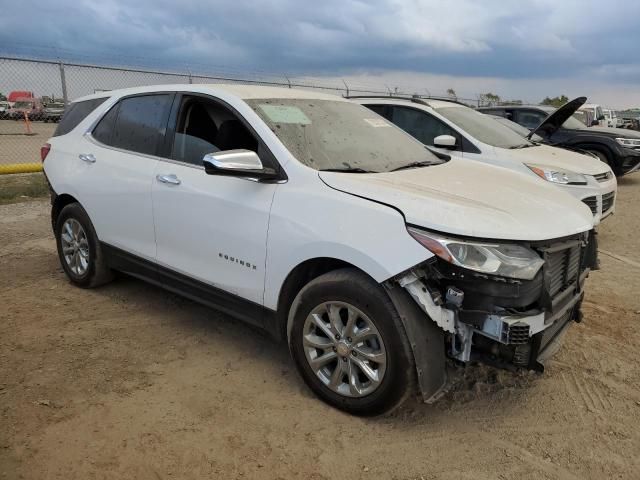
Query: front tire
point(349, 344)
point(79, 250)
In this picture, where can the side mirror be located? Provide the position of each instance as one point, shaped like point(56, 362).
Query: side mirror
point(445, 141)
point(237, 163)
point(594, 123)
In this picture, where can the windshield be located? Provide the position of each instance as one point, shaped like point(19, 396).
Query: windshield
point(582, 116)
point(339, 135)
point(483, 127)
point(573, 124)
point(519, 129)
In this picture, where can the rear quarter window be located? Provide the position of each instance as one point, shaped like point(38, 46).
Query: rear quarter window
point(76, 113)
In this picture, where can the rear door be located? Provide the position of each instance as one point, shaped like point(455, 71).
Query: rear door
point(119, 159)
point(211, 231)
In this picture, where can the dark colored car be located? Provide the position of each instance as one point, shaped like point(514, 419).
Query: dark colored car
point(52, 112)
point(618, 147)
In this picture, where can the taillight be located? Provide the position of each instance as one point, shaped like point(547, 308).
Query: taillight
point(44, 151)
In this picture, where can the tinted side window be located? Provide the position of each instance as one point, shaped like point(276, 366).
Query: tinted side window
point(381, 110)
point(497, 113)
point(204, 126)
point(140, 123)
point(75, 113)
point(530, 118)
point(420, 125)
point(104, 130)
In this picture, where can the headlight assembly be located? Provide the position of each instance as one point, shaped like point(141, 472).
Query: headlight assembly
point(555, 175)
point(504, 259)
point(629, 142)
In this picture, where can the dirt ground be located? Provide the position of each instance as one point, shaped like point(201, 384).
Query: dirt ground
point(20, 147)
point(128, 381)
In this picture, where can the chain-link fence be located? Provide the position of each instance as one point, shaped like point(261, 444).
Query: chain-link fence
point(37, 91)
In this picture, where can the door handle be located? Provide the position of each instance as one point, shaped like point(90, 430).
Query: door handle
point(87, 157)
point(171, 179)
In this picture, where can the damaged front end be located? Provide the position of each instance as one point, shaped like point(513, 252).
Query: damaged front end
point(502, 320)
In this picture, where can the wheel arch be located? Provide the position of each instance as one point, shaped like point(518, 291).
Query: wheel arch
point(297, 278)
point(599, 147)
point(60, 201)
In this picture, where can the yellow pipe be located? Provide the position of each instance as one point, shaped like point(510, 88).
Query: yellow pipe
point(20, 168)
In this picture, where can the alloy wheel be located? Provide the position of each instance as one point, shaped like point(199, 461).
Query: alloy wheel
point(75, 246)
point(344, 349)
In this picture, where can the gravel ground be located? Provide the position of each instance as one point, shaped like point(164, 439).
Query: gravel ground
point(128, 381)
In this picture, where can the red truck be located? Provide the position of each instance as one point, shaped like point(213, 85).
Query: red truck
point(17, 94)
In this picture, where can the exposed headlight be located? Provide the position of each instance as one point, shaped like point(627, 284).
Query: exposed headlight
point(564, 177)
point(629, 142)
point(506, 260)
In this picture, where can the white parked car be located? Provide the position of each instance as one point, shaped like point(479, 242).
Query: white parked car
point(462, 132)
point(312, 217)
point(611, 118)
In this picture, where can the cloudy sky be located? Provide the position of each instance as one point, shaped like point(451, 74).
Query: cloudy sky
point(519, 49)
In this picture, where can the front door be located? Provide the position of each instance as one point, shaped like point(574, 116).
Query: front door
point(211, 230)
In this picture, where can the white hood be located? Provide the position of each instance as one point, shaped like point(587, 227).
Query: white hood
point(556, 157)
point(472, 199)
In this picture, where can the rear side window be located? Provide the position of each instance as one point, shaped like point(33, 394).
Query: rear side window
point(137, 124)
point(75, 113)
point(530, 118)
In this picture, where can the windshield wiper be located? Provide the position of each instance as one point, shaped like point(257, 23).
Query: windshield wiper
point(347, 170)
point(414, 165)
point(524, 145)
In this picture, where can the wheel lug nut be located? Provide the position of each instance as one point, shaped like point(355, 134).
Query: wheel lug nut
point(337, 337)
point(349, 339)
point(344, 359)
point(335, 349)
point(354, 353)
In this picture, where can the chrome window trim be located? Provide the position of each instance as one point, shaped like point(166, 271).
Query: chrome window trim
point(92, 139)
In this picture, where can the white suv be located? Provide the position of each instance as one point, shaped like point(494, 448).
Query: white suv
point(312, 217)
point(465, 133)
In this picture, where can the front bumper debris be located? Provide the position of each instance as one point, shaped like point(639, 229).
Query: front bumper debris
point(505, 322)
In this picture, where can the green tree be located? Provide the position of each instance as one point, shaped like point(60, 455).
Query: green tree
point(555, 101)
point(488, 99)
point(452, 93)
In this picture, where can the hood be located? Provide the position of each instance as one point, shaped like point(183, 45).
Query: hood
point(559, 158)
point(472, 199)
point(555, 120)
point(615, 132)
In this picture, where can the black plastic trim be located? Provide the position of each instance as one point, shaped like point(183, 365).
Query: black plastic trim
point(201, 292)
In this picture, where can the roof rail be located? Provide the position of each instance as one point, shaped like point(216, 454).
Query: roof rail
point(413, 98)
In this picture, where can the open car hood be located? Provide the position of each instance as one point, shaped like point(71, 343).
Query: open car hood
point(472, 199)
point(555, 120)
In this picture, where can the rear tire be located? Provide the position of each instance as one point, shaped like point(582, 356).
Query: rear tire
point(79, 250)
point(349, 344)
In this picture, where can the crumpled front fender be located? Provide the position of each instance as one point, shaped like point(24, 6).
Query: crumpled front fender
point(427, 343)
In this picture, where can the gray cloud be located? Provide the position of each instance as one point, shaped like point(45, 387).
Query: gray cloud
point(539, 39)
